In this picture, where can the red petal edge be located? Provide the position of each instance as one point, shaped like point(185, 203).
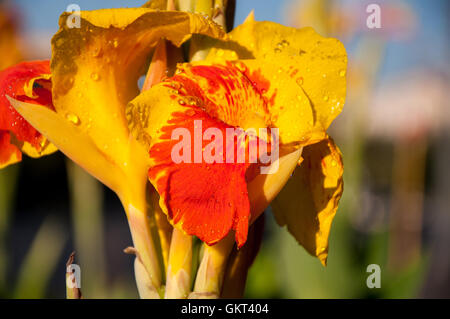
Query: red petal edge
point(12, 83)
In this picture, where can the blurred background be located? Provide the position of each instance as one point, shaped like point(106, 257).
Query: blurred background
point(394, 133)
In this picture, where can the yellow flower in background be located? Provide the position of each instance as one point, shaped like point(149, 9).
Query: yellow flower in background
point(260, 75)
point(9, 49)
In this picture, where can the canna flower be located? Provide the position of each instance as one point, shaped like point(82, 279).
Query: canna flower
point(261, 75)
point(293, 80)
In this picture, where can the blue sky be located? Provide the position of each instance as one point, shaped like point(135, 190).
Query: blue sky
point(43, 14)
point(428, 48)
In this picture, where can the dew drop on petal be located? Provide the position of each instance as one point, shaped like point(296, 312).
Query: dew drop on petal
point(73, 118)
point(342, 73)
point(95, 76)
point(97, 51)
point(43, 142)
point(242, 67)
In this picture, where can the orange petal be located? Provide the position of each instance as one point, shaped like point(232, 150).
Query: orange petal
point(193, 193)
point(9, 153)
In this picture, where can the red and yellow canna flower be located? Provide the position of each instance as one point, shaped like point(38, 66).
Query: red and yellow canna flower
point(293, 81)
point(261, 75)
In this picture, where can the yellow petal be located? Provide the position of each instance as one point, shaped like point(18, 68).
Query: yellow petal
point(308, 202)
point(95, 70)
point(315, 65)
point(288, 105)
point(68, 138)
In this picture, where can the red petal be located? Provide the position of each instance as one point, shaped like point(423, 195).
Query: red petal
point(207, 199)
point(9, 153)
point(13, 81)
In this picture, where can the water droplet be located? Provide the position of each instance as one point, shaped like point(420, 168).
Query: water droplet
point(116, 43)
point(325, 98)
point(277, 50)
point(74, 119)
point(301, 52)
point(233, 55)
point(43, 142)
point(342, 73)
point(333, 163)
point(95, 76)
point(175, 85)
point(192, 101)
point(97, 51)
point(299, 81)
point(181, 102)
point(242, 67)
point(220, 52)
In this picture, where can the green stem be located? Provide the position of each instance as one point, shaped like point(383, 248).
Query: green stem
point(87, 220)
